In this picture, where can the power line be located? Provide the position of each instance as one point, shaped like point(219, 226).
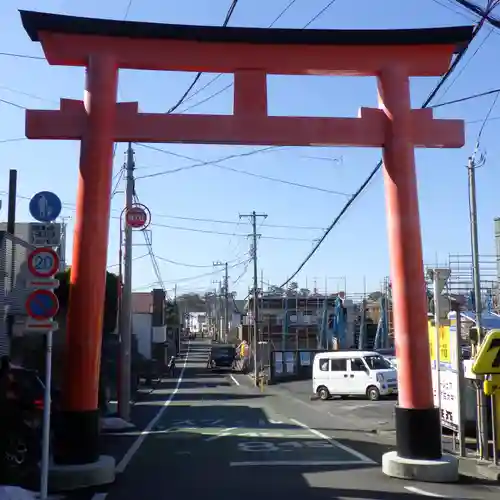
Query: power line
point(464, 67)
point(199, 163)
point(72, 207)
point(377, 167)
point(208, 231)
point(21, 56)
point(215, 163)
point(196, 266)
point(127, 10)
point(10, 103)
point(228, 86)
point(466, 98)
point(198, 76)
point(216, 271)
point(320, 13)
point(134, 259)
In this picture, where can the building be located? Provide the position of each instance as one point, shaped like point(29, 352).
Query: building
point(295, 321)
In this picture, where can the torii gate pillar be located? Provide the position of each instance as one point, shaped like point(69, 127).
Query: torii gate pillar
point(251, 54)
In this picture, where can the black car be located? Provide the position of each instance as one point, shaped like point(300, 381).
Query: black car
point(221, 356)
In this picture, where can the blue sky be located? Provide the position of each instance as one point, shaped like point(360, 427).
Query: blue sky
point(357, 247)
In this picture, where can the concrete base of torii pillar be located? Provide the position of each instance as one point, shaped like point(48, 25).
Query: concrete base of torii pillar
point(443, 470)
point(74, 477)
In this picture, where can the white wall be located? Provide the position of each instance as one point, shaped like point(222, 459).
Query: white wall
point(141, 328)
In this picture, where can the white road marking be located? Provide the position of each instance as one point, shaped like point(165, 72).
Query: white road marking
point(418, 491)
point(234, 379)
point(362, 458)
point(302, 463)
point(224, 433)
point(122, 465)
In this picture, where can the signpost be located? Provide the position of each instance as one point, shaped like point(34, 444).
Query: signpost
point(41, 306)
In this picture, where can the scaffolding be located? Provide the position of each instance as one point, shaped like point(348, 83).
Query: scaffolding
point(461, 281)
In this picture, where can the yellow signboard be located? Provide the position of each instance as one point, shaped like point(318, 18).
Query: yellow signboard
point(444, 343)
point(487, 360)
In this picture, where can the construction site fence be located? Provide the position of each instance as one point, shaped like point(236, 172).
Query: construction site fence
point(288, 365)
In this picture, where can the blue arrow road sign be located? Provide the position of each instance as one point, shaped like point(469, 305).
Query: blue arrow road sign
point(45, 206)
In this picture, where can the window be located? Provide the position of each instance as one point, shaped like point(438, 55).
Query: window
point(357, 365)
point(339, 365)
point(323, 365)
point(377, 363)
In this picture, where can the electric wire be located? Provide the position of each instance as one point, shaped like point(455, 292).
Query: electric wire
point(139, 257)
point(118, 176)
point(204, 275)
point(485, 121)
point(154, 262)
point(320, 13)
point(21, 56)
point(198, 75)
point(464, 67)
point(482, 12)
point(195, 266)
point(216, 77)
point(216, 163)
point(228, 86)
point(72, 207)
point(222, 233)
point(199, 163)
point(465, 98)
point(372, 174)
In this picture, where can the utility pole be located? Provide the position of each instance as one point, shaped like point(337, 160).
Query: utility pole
point(62, 246)
point(226, 298)
point(482, 416)
point(253, 217)
point(126, 320)
point(217, 308)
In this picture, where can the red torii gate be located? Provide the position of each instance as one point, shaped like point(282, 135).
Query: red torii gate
point(103, 46)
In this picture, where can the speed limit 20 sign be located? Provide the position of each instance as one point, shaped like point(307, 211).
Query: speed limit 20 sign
point(43, 262)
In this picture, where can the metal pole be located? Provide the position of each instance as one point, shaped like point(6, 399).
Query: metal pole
point(126, 333)
point(11, 229)
point(437, 337)
point(226, 312)
point(44, 475)
point(461, 382)
point(482, 415)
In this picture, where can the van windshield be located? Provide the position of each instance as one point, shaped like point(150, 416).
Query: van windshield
point(377, 363)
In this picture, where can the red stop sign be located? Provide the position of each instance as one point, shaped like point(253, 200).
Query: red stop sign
point(136, 217)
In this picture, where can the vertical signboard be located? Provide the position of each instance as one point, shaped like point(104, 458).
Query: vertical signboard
point(448, 401)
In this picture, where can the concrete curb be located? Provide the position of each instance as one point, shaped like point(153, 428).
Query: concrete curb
point(471, 467)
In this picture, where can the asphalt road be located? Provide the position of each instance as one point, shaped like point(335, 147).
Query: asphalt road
point(371, 415)
point(213, 434)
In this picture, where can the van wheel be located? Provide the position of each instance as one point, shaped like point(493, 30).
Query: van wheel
point(323, 393)
point(373, 393)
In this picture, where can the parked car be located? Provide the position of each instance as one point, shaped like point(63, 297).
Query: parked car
point(221, 356)
point(353, 373)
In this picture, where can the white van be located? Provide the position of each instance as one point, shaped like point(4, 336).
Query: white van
point(353, 373)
